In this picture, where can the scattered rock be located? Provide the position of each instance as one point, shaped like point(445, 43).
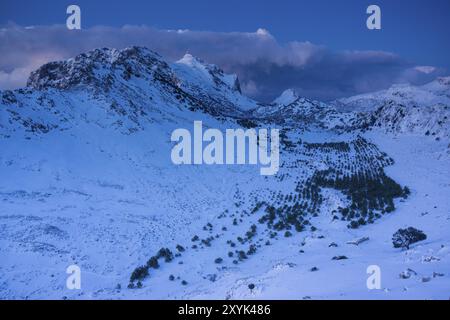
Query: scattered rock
point(437, 274)
point(430, 259)
point(426, 279)
point(405, 275)
point(339, 258)
point(357, 242)
point(212, 277)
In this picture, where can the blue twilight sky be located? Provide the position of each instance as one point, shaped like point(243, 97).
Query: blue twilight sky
point(308, 39)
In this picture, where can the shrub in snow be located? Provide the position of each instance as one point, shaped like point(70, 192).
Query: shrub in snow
point(242, 255)
point(139, 273)
point(403, 238)
point(166, 254)
point(251, 250)
point(153, 263)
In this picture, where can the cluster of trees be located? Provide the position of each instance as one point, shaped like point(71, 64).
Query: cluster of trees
point(288, 144)
point(370, 193)
point(142, 272)
point(357, 172)
point(247, 123)
point(329, 146)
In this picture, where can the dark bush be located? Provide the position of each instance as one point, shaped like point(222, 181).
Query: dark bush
point(139, 273)
point(153, 263)
point(166, 254)
point(403, 238)
point(251, 250)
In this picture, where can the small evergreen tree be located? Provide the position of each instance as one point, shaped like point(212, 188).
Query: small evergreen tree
point(403, 238)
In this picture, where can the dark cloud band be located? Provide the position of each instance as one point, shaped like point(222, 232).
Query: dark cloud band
point(265, 66)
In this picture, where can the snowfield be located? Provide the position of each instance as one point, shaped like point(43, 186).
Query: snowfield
point(87, 180)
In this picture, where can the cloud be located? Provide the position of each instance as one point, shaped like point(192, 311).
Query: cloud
point(265, 67)
point(425, 69)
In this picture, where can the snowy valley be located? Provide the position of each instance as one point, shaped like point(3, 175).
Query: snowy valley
point(87, 180)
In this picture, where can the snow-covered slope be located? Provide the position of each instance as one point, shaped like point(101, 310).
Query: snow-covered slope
point(433, 121)
point(87, 180)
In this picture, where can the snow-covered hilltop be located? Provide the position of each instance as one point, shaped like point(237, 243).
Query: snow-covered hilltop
point(421, 110)
point(436, 92)
point(87, 180)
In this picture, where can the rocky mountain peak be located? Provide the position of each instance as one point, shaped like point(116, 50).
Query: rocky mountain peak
point(288, 97)
point(97, 68)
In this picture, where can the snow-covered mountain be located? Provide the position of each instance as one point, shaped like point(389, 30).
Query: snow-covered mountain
point(421, 110)
point(87, 179)
point(436, 92)
point(190, 82)
point(289, 109)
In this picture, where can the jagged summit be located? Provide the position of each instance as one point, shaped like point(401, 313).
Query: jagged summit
point(97, 67)
point(287, 97)
point(291, 108)
point(202, 73)
point(190, 60)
